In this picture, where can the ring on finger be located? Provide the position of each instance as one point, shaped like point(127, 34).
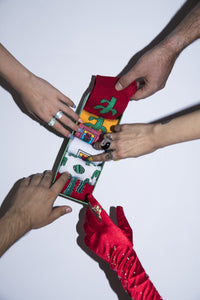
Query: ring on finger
point(59, 114)
point(109, 155)
point(109, 136)
point(52, 122)
point(105, 144)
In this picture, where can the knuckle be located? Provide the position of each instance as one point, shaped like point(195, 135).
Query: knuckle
point(125, 127)
point(120, 154)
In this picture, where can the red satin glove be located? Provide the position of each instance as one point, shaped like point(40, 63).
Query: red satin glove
point(114, 244)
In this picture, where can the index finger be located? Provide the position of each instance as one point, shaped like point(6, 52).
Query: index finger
point(57, 186)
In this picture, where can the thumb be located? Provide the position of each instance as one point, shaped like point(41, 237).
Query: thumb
point(126, 80)
point(123, 223)
point(59, 211)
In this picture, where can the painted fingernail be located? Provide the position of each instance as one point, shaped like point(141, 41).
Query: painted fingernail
point(80, 130)
point(68, 210)
point(74, 106)
point(80, 120)
point(71, 136)
point(90, 158)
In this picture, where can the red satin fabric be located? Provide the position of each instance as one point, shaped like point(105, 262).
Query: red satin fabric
point(104, 89)
point(114, 244)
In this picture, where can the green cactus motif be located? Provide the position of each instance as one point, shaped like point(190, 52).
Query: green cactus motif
point(70, 186)
point(82, 185)
point(97, 125)
point(96, 174)
point(108, 108)
point(79, 169)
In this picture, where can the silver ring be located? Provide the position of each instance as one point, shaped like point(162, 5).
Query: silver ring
point(105, 144)
point(109, 155)
point(52, 122)
point(59, 114)
point(109, 136)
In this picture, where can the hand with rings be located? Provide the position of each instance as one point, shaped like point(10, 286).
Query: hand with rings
point(48, 104)
point(128, 140)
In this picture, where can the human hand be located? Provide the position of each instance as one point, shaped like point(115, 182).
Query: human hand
point(127, 140)
point(153, 68)
point(43, 101)
point(33, 201)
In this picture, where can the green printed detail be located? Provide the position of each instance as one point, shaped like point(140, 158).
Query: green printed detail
point(71, 154)
point(96, 174)
point(97, 125)
point(79, 169)
point(108, 108)
point(80, 187)
point(64, 161)
point(70, 186)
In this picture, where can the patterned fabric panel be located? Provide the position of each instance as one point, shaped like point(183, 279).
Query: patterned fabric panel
point(98, 123)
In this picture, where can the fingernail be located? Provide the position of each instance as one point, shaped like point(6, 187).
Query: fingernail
point(68, 210)
point(90, 158)
point(80, 130)
point(118, 86)
point(80, 120)
point(71, 136)
point(74, 106)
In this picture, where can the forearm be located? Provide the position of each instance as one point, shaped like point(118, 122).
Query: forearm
point(181, 129)
point(12, 228)
point(12, 70)
point(185, 33)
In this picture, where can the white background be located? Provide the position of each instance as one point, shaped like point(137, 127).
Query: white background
point(66, 42)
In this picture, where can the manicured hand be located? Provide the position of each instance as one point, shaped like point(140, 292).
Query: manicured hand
point(43, 101)
point(128, 140)
point(153, 68)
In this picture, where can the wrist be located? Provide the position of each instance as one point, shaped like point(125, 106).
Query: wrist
point(165, 134)
point(173, 45)
point(159, 136)
point(19, 219)
point(24, 80)
point(12, 228)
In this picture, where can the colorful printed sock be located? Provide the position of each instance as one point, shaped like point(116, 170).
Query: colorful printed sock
point(79, 168)
point(83, 150)
point(88, 135)
point(76, 188)
point(105, 101)
point(98, 123)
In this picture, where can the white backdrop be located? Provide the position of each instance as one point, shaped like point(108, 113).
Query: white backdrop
point(66, 42)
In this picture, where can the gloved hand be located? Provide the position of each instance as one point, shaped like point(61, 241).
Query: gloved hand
point(114, 244)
